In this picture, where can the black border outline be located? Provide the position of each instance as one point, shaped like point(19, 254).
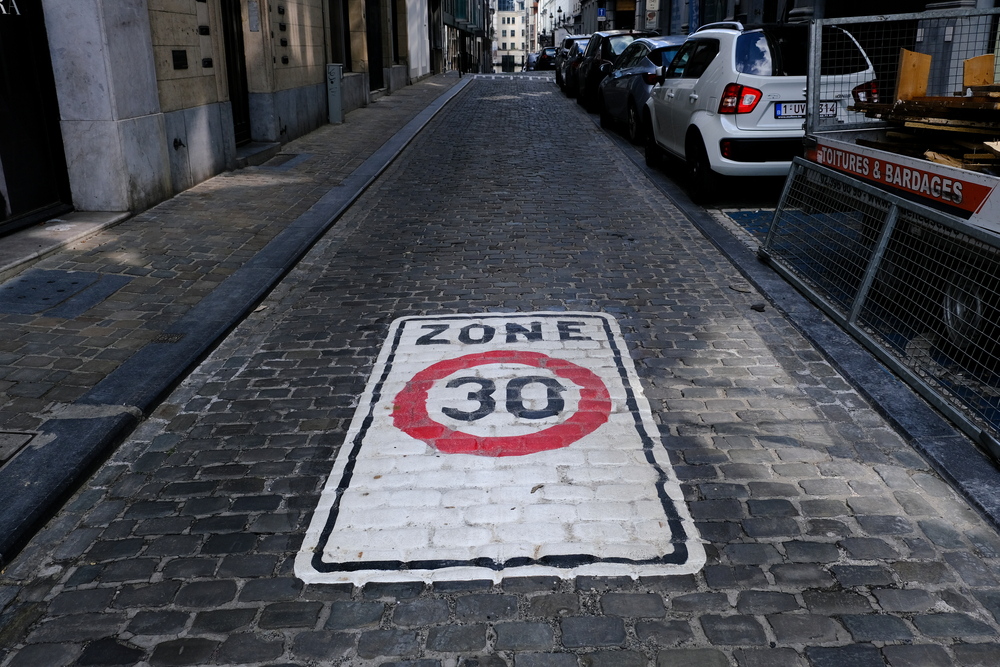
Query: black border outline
point(674, 522)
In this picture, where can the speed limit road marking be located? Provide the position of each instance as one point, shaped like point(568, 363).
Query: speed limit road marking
point(498, 445)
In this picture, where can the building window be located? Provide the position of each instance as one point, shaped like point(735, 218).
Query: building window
point(504, 33)
point(503, 46)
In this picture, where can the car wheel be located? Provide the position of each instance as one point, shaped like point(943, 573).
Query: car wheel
point(635, 130)
point(559, 79)
point(654, 154)
point(607, 122)
point(581, 92)
point(701, 178)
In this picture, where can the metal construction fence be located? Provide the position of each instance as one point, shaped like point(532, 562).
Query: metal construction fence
point(948, 36)
point(919, 288)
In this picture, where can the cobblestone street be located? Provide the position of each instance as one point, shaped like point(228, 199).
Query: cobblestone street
point(828, 540)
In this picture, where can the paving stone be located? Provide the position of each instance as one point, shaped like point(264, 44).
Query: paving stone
point(522, 636)
point(206, 594)
point(403, 590)
point(876, 627)
point(580, 631)
point(323, 645)
point(454, 638)
point(922, 572)
point(75, 602)
point(77, 627)
point(951, 625)
point(894, 599)
point(485, 607)
point(482, 661)
point(972, 570)
point(223, 621)
point(412, 663)
point(868, 548)
point(768, 657)
point(664, 633)
point(613, 659)
point(836, 602)
point(189, 651)
point(803, 628)
point(738, 630)
point(375, 643)
point(545, 660)
point(353, 615)
point(699, 602)
point(692, 657)
point(741, 576)
point(290, 615)
point(765, 602)
point(158, 623)
point(147, 595)
point(635, 605)
point(858, 655)
point(862, 575)
point(751, 554)
point(246, 647)
point(802, 575)
point(49, 655)
point(811, 552)
point(920, 655)
point(976, 655)
point(420, 613)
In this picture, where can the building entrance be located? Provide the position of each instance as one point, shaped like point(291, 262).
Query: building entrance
point(34, 184)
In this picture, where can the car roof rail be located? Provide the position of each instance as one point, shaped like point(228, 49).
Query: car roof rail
point(725, 25)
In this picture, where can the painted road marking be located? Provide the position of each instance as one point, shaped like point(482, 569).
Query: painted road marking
point(498, 445)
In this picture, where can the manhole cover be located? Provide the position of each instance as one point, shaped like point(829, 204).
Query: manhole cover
point(10, 443)
point(35, 291)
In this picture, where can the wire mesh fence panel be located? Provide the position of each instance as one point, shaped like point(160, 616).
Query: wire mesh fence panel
point(934, 305)
point(922, 288)
point(864, 58)
point(825, 233)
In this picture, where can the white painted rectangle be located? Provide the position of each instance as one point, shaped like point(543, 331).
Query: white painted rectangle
point(496, 445)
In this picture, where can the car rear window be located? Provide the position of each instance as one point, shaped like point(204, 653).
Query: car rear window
point(619, 42)
point(550, 51)
point(785, 52)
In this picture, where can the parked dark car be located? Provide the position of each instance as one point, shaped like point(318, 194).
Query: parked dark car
point(624, 91)
point(562, 51)
point(531, 62)
point(546, 58)
point(603, 47)
point(571, 66)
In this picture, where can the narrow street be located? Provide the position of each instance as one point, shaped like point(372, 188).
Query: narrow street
point(800, 529)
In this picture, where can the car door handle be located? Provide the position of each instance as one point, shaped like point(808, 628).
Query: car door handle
point(670, 95)
point(693, 97)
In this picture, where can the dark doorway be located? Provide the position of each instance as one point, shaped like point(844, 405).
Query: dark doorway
point(236, 69)
point(340, 33)
point(373, 18)
point(34, 184)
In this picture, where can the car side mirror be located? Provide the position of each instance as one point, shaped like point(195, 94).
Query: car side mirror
point(605, 68)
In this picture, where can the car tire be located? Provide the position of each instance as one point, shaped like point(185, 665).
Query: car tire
point(634, 121)
point(654, 154)
point(559, 80)
point(701, 178)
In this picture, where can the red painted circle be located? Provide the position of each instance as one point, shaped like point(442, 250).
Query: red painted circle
point(410, 408)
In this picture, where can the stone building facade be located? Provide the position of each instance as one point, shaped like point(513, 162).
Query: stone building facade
point(137, 100)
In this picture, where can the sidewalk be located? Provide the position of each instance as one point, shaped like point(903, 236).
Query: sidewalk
point(96, 333)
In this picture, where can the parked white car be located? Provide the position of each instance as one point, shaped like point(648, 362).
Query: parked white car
point(733, 100)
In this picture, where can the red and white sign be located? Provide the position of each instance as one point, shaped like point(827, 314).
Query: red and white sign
point(965, 194)
point(498, 444)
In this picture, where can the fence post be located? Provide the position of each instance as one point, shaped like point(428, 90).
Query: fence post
point(873, 264)
point(334, 92)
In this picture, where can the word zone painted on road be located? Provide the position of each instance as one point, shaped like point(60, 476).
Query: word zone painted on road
point(498, 445)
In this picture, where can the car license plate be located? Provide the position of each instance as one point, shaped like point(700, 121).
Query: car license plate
point(798, 109)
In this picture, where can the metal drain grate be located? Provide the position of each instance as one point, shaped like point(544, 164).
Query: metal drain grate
point(35, 291)
point(169, 338)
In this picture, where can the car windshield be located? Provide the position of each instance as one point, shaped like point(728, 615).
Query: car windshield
point(661, 57)
point(579, 47)
point(619, 42)
point(550, 51)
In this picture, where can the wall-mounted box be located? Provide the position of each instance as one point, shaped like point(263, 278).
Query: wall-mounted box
point(180, 59)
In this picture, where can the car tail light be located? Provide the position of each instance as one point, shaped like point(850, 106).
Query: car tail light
point(866, 92)
point(739, 99)
point(649, 78)
point(726, 148)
